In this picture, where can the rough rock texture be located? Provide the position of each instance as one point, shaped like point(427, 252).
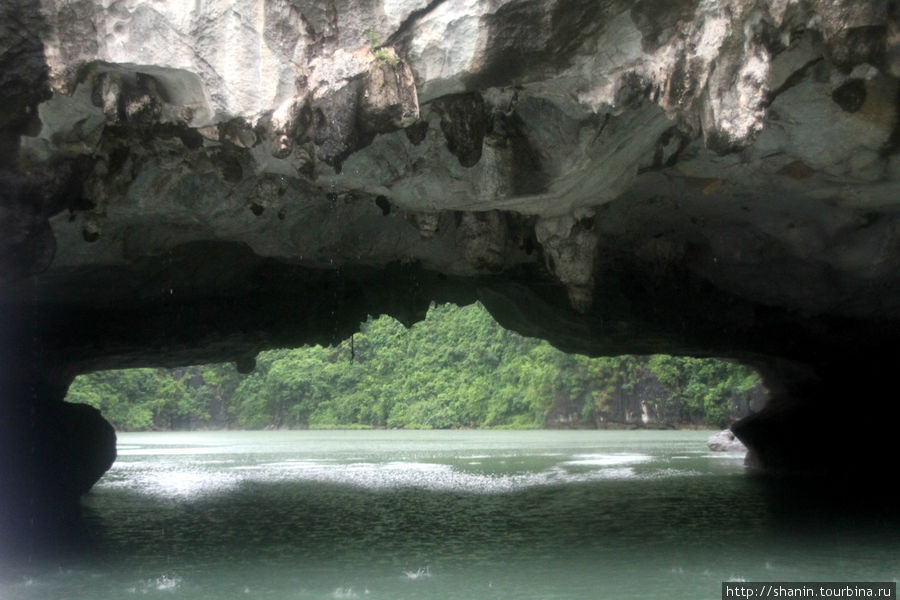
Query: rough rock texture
point(186, 182)
point(725, 441)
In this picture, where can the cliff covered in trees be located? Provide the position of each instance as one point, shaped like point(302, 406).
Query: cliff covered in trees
point(457, 368)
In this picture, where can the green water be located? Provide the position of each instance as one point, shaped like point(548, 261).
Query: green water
point(446, 515)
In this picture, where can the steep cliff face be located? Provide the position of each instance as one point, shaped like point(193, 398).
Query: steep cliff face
point(185, 182)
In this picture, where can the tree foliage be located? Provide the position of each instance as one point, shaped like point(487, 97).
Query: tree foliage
point(457, 368)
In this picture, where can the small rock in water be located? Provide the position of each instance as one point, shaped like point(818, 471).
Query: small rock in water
point(725, 441)
point(166, 583)
point(426, 572)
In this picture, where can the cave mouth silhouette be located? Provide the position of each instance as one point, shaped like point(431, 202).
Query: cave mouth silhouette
point(457, 368)
point(63, 448)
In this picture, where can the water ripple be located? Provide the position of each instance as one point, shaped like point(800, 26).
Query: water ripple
point(173, 480)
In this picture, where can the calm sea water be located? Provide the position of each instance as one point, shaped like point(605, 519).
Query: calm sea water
point(446, 515)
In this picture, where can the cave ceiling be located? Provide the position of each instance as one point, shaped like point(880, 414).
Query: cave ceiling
point(184, 183)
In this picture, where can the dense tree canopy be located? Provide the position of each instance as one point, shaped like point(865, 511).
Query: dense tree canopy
point(457, 368)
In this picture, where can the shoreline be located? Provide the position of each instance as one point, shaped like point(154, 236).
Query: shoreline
point(603, 427)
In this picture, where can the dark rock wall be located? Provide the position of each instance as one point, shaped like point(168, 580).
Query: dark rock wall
point(53, 452)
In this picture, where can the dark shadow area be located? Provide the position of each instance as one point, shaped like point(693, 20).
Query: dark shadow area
point(57, 455)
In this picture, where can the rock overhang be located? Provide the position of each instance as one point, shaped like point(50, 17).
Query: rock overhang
point(710, 178)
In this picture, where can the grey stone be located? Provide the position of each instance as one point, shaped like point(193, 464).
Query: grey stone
point(725, 441)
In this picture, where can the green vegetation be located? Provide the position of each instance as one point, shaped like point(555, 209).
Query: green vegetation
point(457, 368)
point(382, 54)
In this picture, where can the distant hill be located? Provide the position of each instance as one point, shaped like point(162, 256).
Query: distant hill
point(457, 368)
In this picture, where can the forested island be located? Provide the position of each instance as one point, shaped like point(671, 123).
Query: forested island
point(457, 368)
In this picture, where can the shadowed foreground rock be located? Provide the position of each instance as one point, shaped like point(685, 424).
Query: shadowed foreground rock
point(53, 453)
point(182, 184)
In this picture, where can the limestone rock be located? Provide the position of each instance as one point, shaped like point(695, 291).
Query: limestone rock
point(570, 247)
point(184, 182)
point(86, 443)
point(725, 441)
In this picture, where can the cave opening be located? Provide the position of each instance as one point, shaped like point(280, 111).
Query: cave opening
point(200, 183)
point(489, 471)
point(457, 368)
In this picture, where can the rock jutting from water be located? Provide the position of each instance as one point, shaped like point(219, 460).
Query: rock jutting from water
point(725, 441)
point(186, 183)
